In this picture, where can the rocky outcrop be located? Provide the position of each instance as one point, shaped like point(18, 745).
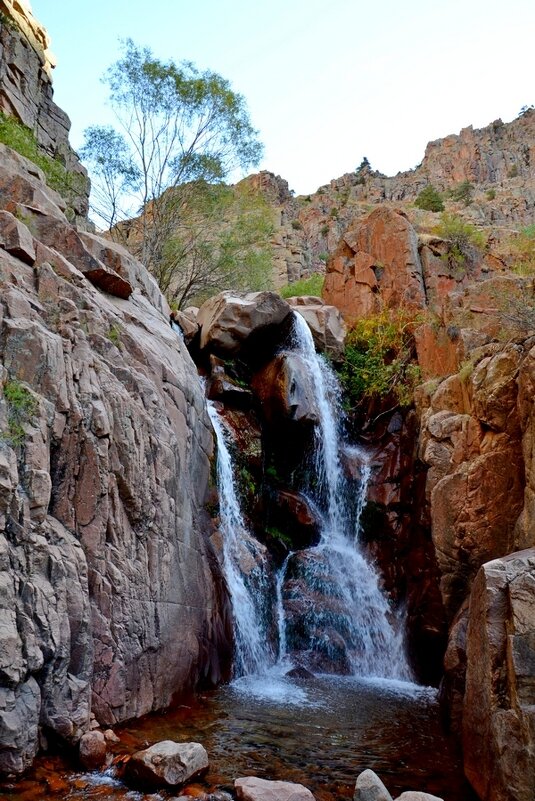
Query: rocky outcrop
point(111, 598)
point(471, 441)
point(499, 702)
point(376, 265)
point(26, 92)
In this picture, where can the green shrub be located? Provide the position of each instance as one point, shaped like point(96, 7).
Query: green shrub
point(462, 193)
point(490, 194)
point(114, 335)
point(324, 257)
point(378, 359)
point(20, 138)
point(312, 285)
point(429, 199)
point(512, 172)
point(22, 406)
point(461, 236)
point(296, 225)
point(334, 213)
point(324, 230)
point(522, 248)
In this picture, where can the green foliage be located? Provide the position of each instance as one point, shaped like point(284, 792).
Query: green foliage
point(180, 125)
point(22, 406)
point(313, 285)
point(461, 235)
point(334, 213)
point(20, 138)
point(324, 257)
point(277, 534)
point(222, 240)
point(297, 225)
point(522, 248)
point(364, 165)
point(490, 194)
point(324, 230)
point(512, 172)
point(462, 193)
point(378, 359)
point(114, 335)
point(465, 370)
point(429, 199)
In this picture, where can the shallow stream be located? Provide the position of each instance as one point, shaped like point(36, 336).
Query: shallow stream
point(321, 732)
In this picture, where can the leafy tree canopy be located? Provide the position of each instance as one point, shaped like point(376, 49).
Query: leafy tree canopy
point(175, 124)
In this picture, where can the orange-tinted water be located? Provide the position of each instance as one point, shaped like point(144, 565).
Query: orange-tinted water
point(320, 733)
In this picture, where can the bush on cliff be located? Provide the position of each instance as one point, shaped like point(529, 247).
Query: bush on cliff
point(18, 137)
point(460, 235)
point(429, 199)
point(312, 285)
point(379, 358)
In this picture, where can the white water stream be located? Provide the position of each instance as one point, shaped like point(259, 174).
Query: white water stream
point(342, 614)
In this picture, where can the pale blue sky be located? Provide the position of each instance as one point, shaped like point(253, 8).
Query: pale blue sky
point(326, 82)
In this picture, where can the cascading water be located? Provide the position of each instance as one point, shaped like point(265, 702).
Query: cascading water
point(336, 618)
point(244, 565)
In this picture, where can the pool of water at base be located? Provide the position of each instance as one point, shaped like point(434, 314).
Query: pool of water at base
point(321, 732)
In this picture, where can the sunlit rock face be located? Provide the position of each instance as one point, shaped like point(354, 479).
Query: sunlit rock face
point(111, 596)
point(499, 702)
point(26, 93)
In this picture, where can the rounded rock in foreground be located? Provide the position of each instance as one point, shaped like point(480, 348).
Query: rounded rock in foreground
point(415, 795)
point(252, 788)
point(168, 763)
point(92, 751)
point(369, 787)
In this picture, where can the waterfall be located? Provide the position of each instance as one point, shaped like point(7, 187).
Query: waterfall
point(339, 619)
point(244, 565)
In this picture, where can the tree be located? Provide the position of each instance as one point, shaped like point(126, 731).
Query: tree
point(222, 240)
point(364, 165)
point(429, 199)
point(179, 125)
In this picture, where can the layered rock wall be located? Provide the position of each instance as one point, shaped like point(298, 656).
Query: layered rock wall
point(26, 92)
point(111, 599)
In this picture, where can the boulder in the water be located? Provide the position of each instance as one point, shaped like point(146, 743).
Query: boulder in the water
point(92, 750)
point(414, 795)
point(369, 787)
point(252, 788)
point(168, 763)
point(300, 672)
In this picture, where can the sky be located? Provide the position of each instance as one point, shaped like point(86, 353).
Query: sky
point(326, 83)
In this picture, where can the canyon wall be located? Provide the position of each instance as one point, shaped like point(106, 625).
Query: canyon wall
point(26, 93)
point(112, 599)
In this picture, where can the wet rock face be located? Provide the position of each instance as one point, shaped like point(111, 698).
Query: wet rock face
point(499, 702)
point(110, 596)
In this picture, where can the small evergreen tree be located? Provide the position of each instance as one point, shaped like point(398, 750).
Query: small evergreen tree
point(429, 199)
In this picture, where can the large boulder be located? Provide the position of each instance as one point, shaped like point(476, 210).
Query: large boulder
point(168, 763)
point(325, 322)
point(285, 390)
point(499, 701)
point(252, 788)
point(230, 319)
